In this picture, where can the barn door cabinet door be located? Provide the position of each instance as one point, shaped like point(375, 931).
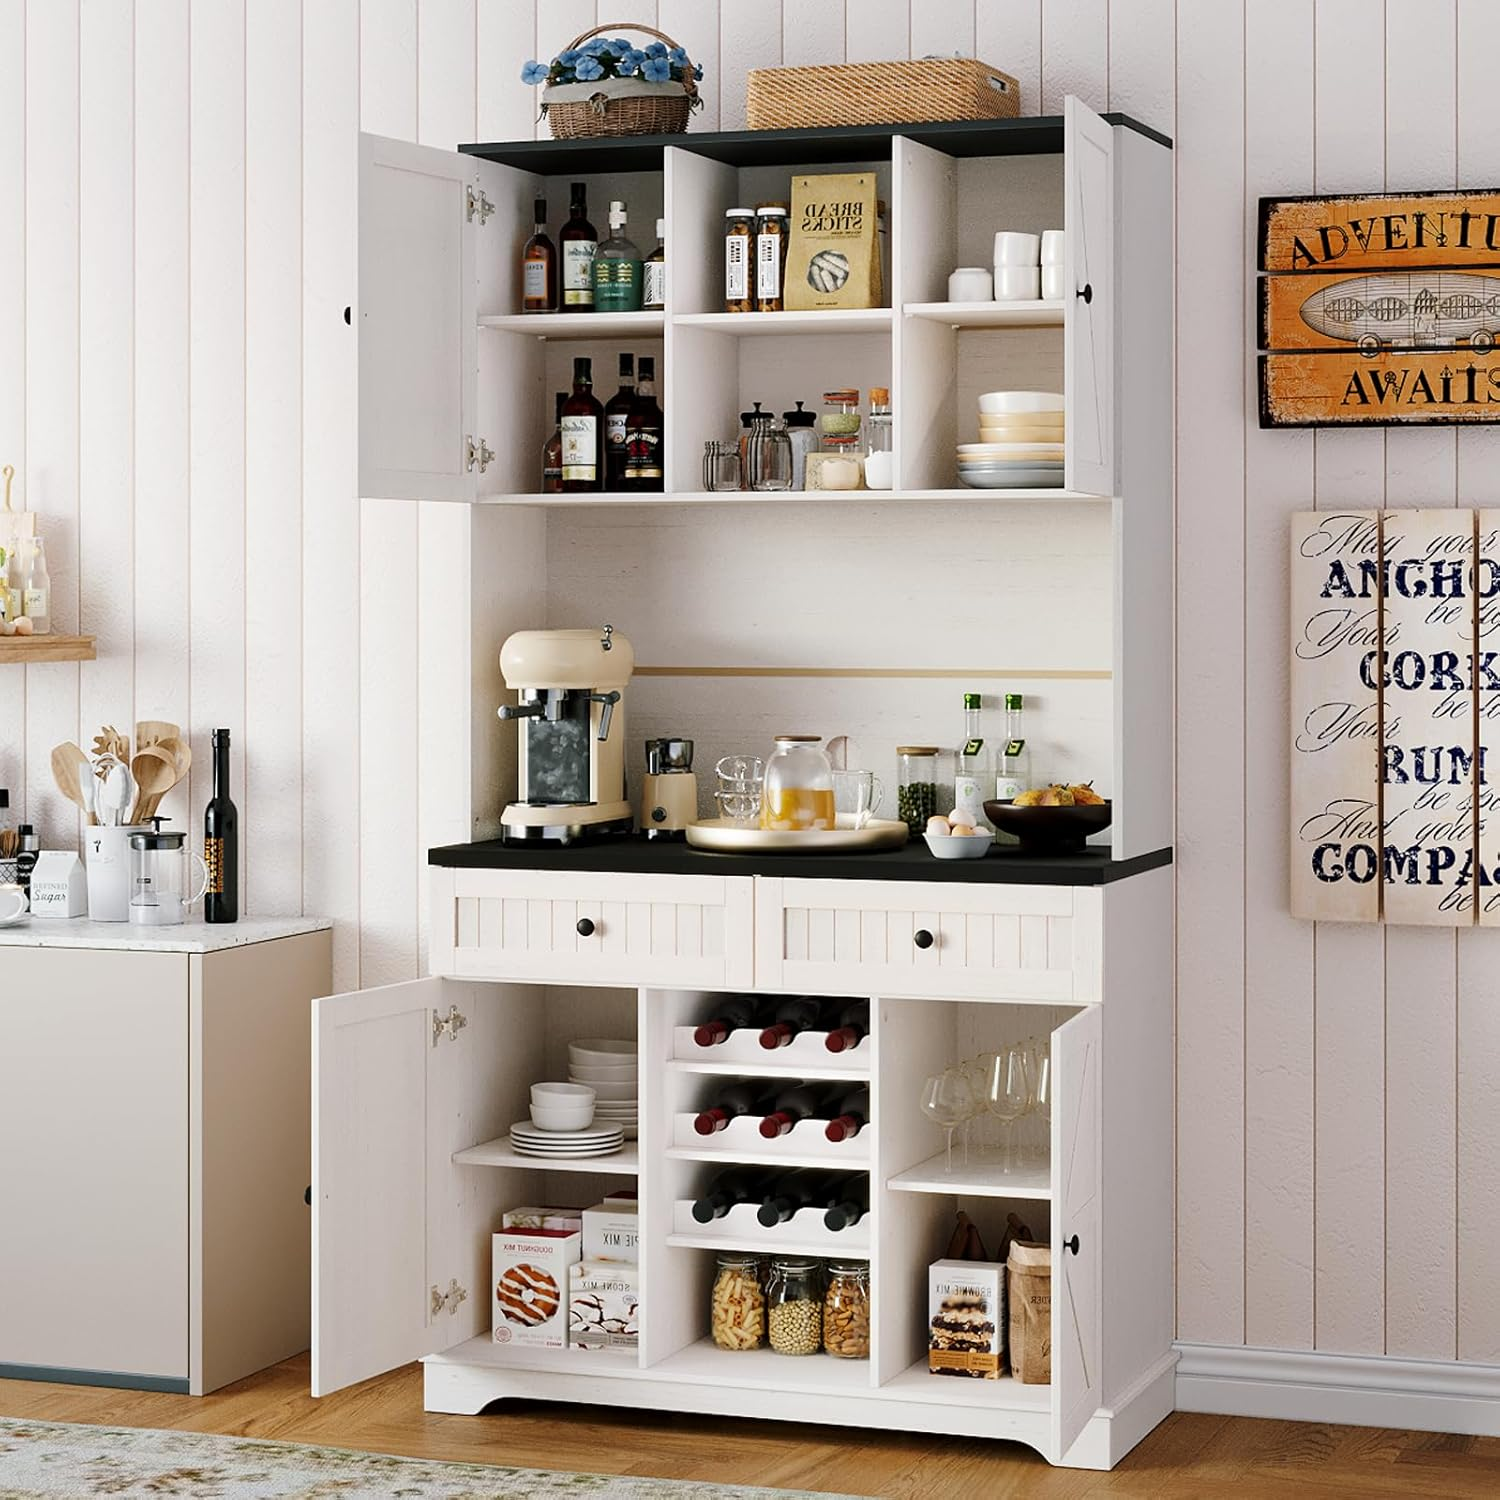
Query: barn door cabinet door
point(1088, 308)
point(404, 1076)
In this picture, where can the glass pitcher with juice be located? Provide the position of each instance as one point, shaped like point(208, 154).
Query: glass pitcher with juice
point(798, 790)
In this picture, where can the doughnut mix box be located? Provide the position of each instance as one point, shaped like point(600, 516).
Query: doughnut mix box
point(529, 1282)
point(966, 1318)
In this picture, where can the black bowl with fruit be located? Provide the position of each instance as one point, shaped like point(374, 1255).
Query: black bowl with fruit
point(1060, 825)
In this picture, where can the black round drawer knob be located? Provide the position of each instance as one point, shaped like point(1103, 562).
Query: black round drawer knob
point(585, 927)
point(922, 938)
point(1087, 293)
point(1071, 1245)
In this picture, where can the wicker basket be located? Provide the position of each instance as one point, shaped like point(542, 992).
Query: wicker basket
point(618, 106)
point(880, 93)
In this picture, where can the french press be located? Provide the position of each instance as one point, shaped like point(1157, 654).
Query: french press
point(158, 876)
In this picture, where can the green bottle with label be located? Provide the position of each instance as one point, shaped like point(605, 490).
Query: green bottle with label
point(617, 268)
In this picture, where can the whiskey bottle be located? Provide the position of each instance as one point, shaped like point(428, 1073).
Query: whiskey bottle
point(580, 243)
point(617, 268)
point(643, 433)
point(539, 266)
point(654, 272)
point(552, 451)
point(582, 434)
point(616, 424)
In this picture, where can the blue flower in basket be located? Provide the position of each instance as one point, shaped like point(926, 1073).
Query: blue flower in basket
point(698, 71)
point(678, 56)
point(589, 69)
point(595, 47)
point(657, 70)
point(619, 46)
point(656, 49)
point(534, 72)
point(631, 58)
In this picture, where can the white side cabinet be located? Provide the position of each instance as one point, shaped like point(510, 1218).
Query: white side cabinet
point(415, 1086)
point(153, 1101)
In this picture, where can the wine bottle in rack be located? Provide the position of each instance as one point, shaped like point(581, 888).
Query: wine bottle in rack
point(794, 1015)
point(803, 1187)
point(851, 1114)
point(221, 842)
point(850, 1205)
point(793, 1102)
point(730, 1187)
point(851, 1026)
point(747, 1096)
point(731, 1013)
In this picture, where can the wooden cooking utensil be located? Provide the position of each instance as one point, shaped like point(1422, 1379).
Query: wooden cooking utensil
point(155, 775)
point(109, 741)
point(153, 731)
point(66, 759)
point(181, 757)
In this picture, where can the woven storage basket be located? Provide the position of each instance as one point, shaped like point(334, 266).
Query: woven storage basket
point(618, 106)
point(880, 93)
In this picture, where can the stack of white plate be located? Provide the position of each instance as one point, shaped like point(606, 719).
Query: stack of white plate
point(599, 1139)
point(1020, 445)
point(610, 1068)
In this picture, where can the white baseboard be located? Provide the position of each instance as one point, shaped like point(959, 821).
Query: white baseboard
point(1361, 1390)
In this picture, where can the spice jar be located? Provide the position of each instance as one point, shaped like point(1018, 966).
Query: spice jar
point(739, 260)
point(721, 466)
point(802, 432)
point(770, 255)
point(880, 461)
point(769, 455)
point(846, 1310)
point(916, 785)
point(737, 1315)
point(839, 424)
point(748, 422)
point(794, 1304)
point(798, 790)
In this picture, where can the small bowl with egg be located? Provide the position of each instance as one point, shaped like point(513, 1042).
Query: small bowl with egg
point(955, 838)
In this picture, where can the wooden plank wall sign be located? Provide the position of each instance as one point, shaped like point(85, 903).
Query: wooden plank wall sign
point(1395, 716)
point(1380, 310)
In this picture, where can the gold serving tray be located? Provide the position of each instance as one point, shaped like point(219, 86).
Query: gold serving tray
point(726, 837)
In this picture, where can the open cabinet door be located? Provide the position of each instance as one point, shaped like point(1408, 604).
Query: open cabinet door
point(417, 322)
point(1089, 310)
point(1075, 1228)
point(370, 1052)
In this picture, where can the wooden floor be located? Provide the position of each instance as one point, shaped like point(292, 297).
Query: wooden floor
point(1186, 1458)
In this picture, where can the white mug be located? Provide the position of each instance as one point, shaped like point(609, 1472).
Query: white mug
point(1014, 248)
point(1053, 284)
point(1054, 242)
point(13, 904)
point(1017, 283)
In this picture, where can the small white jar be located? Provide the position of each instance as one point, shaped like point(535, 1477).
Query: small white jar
point(1017, 283)
point(971, 284)
point(1015, 248)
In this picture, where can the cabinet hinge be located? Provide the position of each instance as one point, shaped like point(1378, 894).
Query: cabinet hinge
point(449, 1299)
point(452, 1024)
point(479, 204)
point(477, 455)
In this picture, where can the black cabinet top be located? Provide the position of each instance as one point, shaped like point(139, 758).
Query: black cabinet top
point(1004, 865)
point(1030, 136)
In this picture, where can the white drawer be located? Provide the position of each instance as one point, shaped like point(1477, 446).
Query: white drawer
point(689, 931)
point(938, 939)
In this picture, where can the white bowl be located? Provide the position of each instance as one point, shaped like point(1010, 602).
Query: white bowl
point(959, 846)
point(971, 284)
point(993, 403)
point(612, 1092)
point(574, 1114)
point(581, 1074)
point(561, 1093)
point(1017, 283)
point(602, 1051)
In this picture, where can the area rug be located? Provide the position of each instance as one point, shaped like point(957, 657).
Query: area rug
point(69, 1461)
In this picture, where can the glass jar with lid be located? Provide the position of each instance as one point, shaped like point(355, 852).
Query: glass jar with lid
point(798, 790)
point(846, 1310)
point(839, 423)
point(739, 260)
point(770, 255)
point(917, 785)
point(737, 1314)
point(794, 1304)
point(748, 421)
point(801, 429)
point(880, 461)
point(769, 456)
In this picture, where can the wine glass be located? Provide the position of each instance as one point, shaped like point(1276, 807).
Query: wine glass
point(976, 1074)
point(1008, 1095)
point(947, 1101)
point(1041, 1084)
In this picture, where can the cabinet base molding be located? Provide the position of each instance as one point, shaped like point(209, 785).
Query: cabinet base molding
point(170, 1385)
point(1354, 1389)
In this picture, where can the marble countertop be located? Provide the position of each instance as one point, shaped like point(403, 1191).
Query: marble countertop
point(188, 937)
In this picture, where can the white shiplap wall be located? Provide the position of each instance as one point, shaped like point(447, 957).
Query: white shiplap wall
point(176, 391)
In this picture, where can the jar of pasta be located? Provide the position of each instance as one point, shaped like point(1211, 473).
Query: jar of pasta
point(737, 1318)
point(846, 1310)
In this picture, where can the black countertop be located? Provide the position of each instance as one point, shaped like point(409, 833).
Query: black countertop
point(634, 855)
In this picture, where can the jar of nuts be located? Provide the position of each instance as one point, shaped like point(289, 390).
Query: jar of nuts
point(846, 1310)
point(794, 1304)
point(738, 1315)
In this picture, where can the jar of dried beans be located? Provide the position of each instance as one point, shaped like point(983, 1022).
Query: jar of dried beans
point(794, 1304)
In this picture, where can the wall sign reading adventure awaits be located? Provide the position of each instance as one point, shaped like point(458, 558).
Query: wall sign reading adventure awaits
point(1395, 685)
point(1380, 309)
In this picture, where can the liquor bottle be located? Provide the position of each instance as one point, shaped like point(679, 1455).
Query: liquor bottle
point(654, 272)
point(539, 266)
point(851, 1026)
point(221, 842)
point(1013, 761)
point(28, 846)
point(616, 422)
point(643, 433)
point(617, 268)
point(851, 1204)
point(795, 1102)
point(732, 1013)
point(747, 1096)
point(733, 1186)
point(582, 434)
point(971, 770)
point(850, 1115)
point(803, 1187)
point(36, 594)
point(552, 451)
point(579, 242)
point(795, 1014)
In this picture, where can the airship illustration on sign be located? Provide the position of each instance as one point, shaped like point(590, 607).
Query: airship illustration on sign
point(1407, 310)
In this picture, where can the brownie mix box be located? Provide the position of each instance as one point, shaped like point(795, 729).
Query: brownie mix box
point(529, 1285)
point(966, 1318)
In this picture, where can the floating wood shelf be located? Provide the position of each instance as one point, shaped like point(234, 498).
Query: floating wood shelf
point(38, 648)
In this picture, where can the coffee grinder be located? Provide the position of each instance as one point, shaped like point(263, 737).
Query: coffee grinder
point(571, 760)
point(669, 794)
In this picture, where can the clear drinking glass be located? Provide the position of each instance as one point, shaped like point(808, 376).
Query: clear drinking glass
point(1008, 1096)
point(741, 779)
point(856, 798)
point(721, 466)
point(947, 1101)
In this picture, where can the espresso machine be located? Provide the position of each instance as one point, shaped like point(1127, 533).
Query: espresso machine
point(571, 762)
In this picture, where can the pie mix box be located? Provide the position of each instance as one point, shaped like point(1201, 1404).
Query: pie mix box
point(611, 1231)
point(966, 1318)
point(604, 1305)
point(546, 1217)
point(529, 1285)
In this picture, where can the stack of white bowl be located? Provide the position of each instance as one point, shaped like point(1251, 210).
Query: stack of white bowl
point(611, 1069)
point(563, 1124)
point(1021, 442)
